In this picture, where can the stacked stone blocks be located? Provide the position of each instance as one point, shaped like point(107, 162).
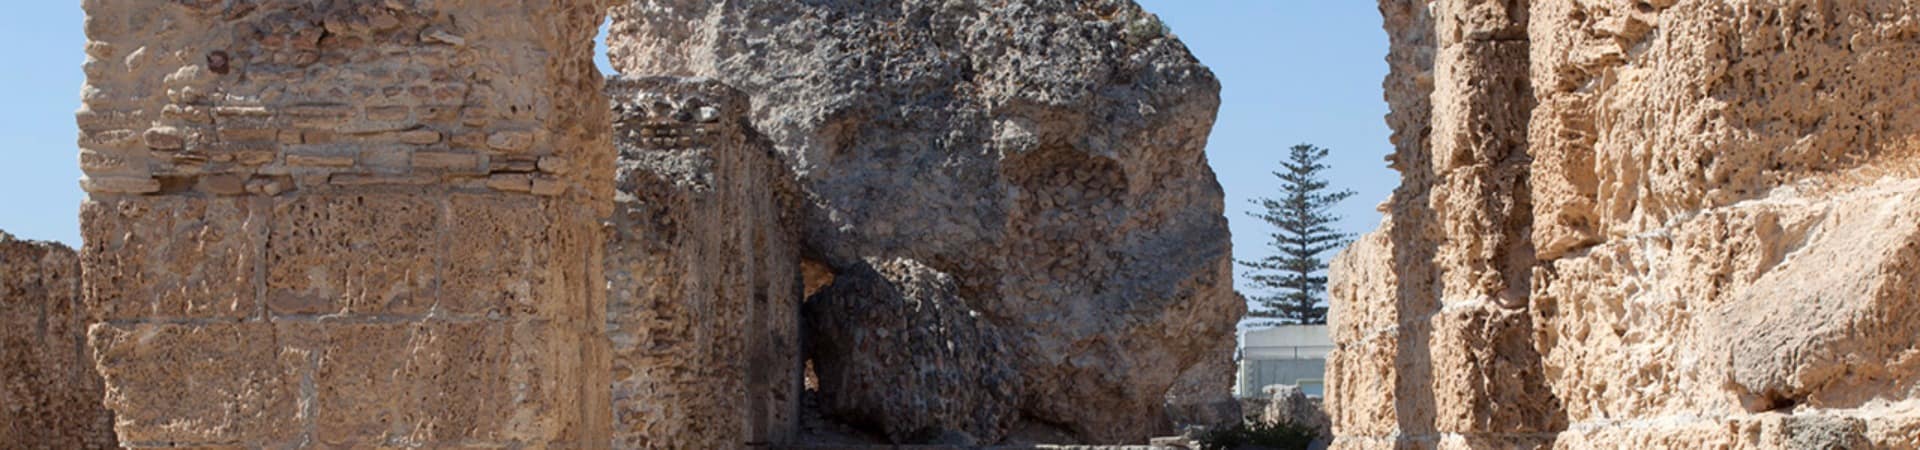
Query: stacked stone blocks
point(344, 224)
point(703, 267)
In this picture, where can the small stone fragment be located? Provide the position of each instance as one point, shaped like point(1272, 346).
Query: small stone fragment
point(445, 160)
point(548, 186)
point(420, 137)
point(120, 185)
point(510, 141)
point(165, 138)
point(266, 186)
point(554, 165)
point(319, 161)
point(223, 184)
point(511, 182)
point(442, 36)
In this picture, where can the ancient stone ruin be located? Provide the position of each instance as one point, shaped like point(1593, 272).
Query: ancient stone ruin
point(432, 223)
point(347, 223)
point(703, 269)
point(52, 395)
point(1026, 173)
point(1640, 224)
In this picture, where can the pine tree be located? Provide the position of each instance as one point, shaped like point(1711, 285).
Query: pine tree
point(1293, 275)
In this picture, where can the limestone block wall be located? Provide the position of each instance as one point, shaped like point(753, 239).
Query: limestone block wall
point(51, 396)
point(1640, 224)
point(346, 223)
point(703, 261)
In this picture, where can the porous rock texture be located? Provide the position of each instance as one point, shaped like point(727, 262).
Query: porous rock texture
point(346, 224)
point(703, 267)
point(51, 395)
point(1640, 224)
point(1046, 155)
point(896, 350)
point(1288, 405)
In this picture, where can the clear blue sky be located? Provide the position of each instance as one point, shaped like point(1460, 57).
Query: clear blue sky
point(1294, 71)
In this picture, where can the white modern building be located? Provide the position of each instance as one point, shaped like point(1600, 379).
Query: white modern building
point(1285, 354)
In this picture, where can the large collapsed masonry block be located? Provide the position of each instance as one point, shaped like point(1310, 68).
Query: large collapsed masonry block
point(1067, 195)
point(347, 224)
point(704, 272)
point(49, 394)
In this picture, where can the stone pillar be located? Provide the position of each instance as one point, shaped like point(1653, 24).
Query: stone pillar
point(49, 394)
point(704, 272)
point(1488, 385)
point(1435, 341)
point(346, 223)
point(1381, 288)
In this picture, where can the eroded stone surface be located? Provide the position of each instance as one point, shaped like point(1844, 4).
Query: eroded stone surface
point(51, 395)
point(1720, 248)
point(1046, 154)
point(704, 269)
point(346, 224)
point(1290, 406)
point(896, 350)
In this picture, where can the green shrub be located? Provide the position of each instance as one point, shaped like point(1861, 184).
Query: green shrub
point(1259, 436)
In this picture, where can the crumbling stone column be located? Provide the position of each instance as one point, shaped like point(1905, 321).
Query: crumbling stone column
point(49, 394)
point(1434, 336)
point(346, 223)
point(703, 263)
point(1488, 384)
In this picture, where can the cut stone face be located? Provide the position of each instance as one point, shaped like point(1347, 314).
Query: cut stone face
point(494, 248)
point(200, 383)
point(360, 254)
point(186, 258)
point(295, 237)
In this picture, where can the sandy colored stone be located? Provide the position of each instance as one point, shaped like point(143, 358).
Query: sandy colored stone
point(47, 383)
point(1708, 241)
point(1068, 196)
point(493, 270)
point(702, 247)
point(214, 383)
point(510, 141)
point(369, 254)
point(288, 276)
point(1291, 406)
point(119, 185)
point(173, 257)
point(420, 137)
point(444, 160)
point(511, 182)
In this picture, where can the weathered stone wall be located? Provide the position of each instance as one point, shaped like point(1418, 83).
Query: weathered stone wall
point(1703, 235)
point(51, 396)
point(703, 265)
point(346, 223)
point(1048, 156)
